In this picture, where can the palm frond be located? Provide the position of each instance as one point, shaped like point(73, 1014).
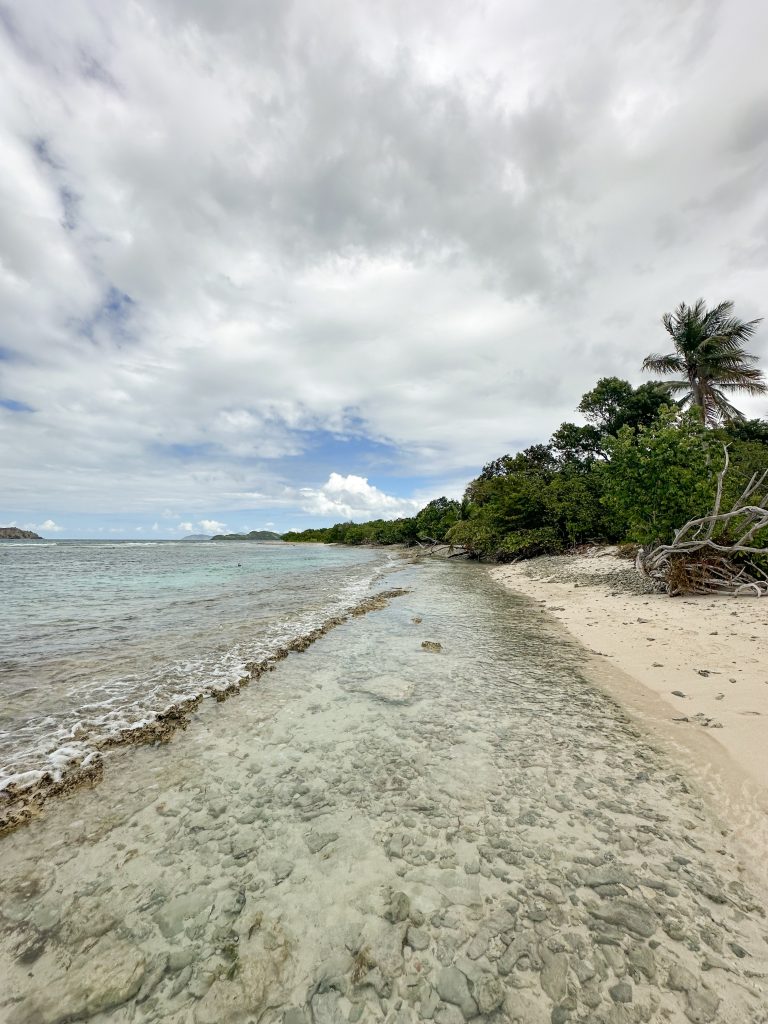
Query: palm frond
point(676, 386)
point(750, 382)
point(670, 363)
point(712, 320)
point(722, 407)
point(718, 343)
point(734, 360)
point(709, 352)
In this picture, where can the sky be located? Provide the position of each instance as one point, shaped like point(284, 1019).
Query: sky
point(269, 264)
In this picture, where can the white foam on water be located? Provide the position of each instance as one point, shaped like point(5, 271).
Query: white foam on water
point(115, 707)
point(18, 545)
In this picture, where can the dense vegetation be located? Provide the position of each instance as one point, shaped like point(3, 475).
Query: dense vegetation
point(431, 524)
point(638, 469)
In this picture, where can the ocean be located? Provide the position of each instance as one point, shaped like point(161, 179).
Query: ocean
point(430, 814)
point(97, 638)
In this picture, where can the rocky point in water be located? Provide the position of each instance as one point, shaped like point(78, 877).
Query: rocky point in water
point(14, 533)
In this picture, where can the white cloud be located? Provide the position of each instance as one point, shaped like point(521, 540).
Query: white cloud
point(49, 526)
point(352, 497)
point(421, 226)
point(185, 528)
point(212, 526)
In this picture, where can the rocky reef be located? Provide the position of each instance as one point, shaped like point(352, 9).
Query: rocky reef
point(22, 800)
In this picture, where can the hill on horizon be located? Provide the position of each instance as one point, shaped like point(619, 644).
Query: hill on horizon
point(253, 535)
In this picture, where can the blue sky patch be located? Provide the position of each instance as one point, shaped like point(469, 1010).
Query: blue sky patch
point(112, 316)
point(70, 202)
point(43, 153)
point(186, 452)
point(13, 406)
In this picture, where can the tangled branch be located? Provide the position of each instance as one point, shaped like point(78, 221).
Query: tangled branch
point(715, 553)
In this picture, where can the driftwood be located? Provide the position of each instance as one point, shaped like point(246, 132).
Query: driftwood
point(434, 546)
point(714, 553)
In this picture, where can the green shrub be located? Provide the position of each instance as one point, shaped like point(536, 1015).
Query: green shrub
point(529, 544)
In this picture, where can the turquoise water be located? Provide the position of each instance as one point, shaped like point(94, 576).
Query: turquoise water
point(379, 832)
point(97, 637)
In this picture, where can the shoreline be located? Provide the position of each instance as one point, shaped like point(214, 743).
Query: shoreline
point(432, 815)
point(646, 650)
point(22, 798)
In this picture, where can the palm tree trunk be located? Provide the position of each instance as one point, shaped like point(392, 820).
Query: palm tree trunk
point(697, 398)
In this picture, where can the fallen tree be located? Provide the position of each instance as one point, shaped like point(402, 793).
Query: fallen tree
point(719, 552)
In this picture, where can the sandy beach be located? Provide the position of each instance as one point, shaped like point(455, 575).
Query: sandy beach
point(695, 669)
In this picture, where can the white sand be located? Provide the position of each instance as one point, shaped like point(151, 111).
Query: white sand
point(647, 645)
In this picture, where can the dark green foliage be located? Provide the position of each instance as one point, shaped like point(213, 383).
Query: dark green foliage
point(379, 531)
point(661, 476)
point(610, 405)
point(435, 520)
point(532, 503)
point(613, 403)
point(578, 445)
point(476, 536)
point(575, 506)
point(635, 472)
point(529, 544)
point(747, 430)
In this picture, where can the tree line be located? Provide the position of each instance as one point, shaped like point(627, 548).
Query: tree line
point(645, 461)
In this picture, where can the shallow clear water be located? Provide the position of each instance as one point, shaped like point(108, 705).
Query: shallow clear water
point(380, 832)
point(96, 637)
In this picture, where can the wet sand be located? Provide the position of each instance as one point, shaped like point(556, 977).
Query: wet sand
point(377, 831)
point(695, 669)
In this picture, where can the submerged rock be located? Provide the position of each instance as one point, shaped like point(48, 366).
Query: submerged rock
point(417, 938)
point(554, 976)
point(97, 981)
point(326, 1010)
point(236, 999)
point(701, 1006)
point(453, 987)
point(399, 907)
point(627, 916)
point(621, 993)
point(317, 841)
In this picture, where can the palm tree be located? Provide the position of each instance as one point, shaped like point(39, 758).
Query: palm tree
point(710, 358)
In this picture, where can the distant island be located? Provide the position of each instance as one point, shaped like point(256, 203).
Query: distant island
point(14, 533)
point(253, 535)
point(197, 536)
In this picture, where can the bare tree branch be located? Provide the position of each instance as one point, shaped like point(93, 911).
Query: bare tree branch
point(707, 553)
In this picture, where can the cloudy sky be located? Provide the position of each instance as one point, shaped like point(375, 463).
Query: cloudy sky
point(292, 261)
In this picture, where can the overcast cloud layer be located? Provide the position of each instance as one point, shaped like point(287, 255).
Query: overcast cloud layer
point(289, 263)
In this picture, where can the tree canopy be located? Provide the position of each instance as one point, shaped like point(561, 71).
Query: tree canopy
point(639, 467)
